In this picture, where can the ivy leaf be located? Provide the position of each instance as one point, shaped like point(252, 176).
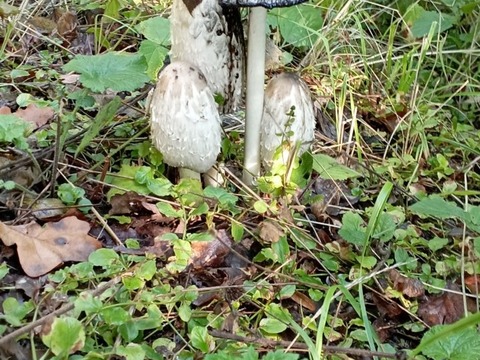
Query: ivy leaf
point(114, 70)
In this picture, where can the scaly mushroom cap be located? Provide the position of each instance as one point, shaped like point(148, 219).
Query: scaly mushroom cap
point(185, 123)
point(211, 37)
point(287, 116)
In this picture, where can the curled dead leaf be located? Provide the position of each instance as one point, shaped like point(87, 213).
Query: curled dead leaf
point(43, 248)
point(270, 232)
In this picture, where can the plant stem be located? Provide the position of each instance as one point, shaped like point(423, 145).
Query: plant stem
point(255, 92)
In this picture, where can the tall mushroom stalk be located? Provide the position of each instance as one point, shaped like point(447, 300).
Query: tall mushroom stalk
point(255, 79)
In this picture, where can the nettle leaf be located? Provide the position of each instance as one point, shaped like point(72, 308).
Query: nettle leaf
point(114, 70)
point(328, 168)
point(460, 345)
point(299, 25)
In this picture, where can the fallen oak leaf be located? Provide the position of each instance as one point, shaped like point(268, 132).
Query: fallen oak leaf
point(41, 249)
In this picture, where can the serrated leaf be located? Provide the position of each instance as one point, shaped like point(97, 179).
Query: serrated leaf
point(328, 168)
point(154, 55)
point(460, 345)
point(114, 70)
point(103, 118)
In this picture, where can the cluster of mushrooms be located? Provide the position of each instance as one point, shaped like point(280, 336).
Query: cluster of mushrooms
point(208, 59)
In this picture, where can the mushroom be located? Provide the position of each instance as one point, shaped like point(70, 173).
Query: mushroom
point(255, 79)
point(210, 36)
point(288, 119)
point(185, 123)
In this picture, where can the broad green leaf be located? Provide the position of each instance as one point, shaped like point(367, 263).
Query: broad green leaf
point(272, 326)
point(131, 352)
point(126, 180)
point(223, 196)
point(115, 315)
point(154, 55)
point(421, 20)
point(168, 210)
point(463, 344)
point(260, 206)
point(385, 227)
point(14, 311)
point(66, 336)
point(328, 168)
point(201, 339)
point(103, 257)
point(437, 207)
point(13, 130)
point(156, 29)
point(299, 25)
point(103, 118)
point(352, 229)
point(113, 70)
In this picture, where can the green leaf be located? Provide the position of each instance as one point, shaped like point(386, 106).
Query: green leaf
point(421, 20)
point(385, 228)
point(223, 196)
point(280, 355)
point(168, 210)
point(14, 130)
point(160, 186)
point(272, 326)
point(260, 206)
point(147, 270)
point(103, 118)
point(154, 55)
point(237, 231)
point(437, 207)
point(14, 312)
point(156, 29)
point(460, 345)
point(66, 336)
point(201, 339)
point(113, 70)
point(126, 180)
point(299, 25)
point(131, 352)
point(70, 194)
point(103, 257)
point(115, 315)
point(352, 229)
point(328, 168)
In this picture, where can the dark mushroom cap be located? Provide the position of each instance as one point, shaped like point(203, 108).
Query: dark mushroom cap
point(269, 4)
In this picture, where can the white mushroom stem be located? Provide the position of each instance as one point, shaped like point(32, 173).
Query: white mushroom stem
point(185, 173)
point(255, 92)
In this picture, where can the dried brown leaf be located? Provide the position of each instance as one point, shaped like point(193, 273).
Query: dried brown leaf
point(41, 249)
point(269, 232)
point(35, 115)
point(412, 288)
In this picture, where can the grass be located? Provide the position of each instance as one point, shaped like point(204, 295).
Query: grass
point(312, 269)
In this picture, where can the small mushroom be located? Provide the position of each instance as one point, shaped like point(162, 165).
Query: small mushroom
point(185, 123)
point(255, 78)
point(288, 119)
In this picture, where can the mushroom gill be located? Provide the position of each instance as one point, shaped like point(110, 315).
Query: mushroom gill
point(185, 123)
point(288, 120)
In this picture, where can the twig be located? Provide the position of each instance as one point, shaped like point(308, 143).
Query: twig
point(108, 229)
point(300, 346)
